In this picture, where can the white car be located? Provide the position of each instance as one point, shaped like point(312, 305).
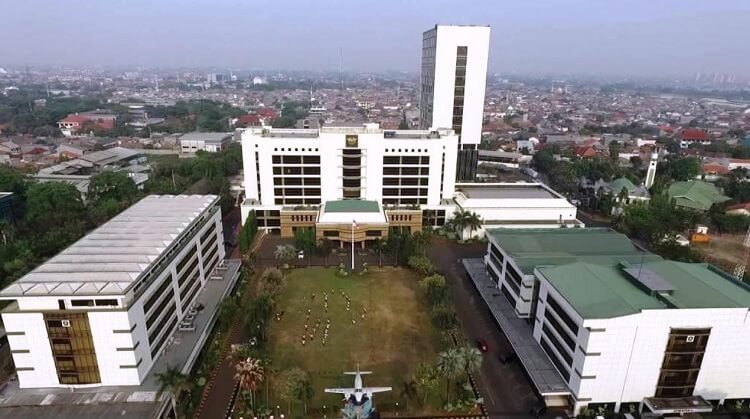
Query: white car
point(301, 254)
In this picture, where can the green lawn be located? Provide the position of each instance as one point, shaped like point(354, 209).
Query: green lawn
point(395, 335)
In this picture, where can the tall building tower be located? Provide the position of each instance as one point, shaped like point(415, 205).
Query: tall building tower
point(454, 77)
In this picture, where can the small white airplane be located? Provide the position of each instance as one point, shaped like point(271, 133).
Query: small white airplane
point(358, 394)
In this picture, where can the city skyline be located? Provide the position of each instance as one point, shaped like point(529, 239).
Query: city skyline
point(574, 37)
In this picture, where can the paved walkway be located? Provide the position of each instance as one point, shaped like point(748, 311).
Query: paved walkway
point(539, 368)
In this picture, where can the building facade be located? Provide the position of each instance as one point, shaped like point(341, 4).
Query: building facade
point(290, 174)
point(624, 328)
point(453, 82)
point(104, 309)
point(211, 142)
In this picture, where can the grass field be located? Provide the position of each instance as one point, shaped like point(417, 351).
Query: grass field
point(391, 340)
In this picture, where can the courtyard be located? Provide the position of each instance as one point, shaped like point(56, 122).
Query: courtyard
point(326, 324)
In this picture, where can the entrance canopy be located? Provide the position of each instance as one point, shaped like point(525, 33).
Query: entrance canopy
point(348, 211)
point(679, 405)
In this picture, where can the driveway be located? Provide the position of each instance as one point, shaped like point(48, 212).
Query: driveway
point(506, 390)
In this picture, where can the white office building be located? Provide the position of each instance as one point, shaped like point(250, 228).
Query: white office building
point(103, 310)
point(624, 329)
point(454, 78)
point(290, 173)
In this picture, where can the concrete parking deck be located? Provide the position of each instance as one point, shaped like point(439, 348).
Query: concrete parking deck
point(539, 368)
point(125, 401)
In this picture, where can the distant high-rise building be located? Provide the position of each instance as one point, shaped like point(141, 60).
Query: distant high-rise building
point(454, 76)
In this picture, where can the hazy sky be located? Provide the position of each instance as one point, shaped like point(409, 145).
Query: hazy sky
point(626, 37)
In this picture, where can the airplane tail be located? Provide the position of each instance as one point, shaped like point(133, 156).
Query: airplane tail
point(357, 372)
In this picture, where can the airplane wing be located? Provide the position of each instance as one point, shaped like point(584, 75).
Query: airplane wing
point(370, 390)
point(343, 391)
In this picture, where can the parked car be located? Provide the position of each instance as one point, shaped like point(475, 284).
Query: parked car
point(301, 254)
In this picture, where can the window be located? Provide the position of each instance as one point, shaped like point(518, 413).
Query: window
point(562, 315)
point(311, 159)
point(330, 233)
point(292, 159)
point(552, 338)
point(390, 171)
point(82, 303)
point(555, 360)
point(105, 303)
point(390, 160)
point(373, 233)
point(315, 170)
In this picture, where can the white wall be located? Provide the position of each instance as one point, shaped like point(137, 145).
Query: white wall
point(106, 342)
point(477, 39)
point(625, 354)
point(329, 145)
point(36, 341)
point(103, 321)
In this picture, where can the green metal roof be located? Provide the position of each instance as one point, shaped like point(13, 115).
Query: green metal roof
point(620, 183)
point(530, 248)
point(696, 194)
point(352, 205)
point(599, 291)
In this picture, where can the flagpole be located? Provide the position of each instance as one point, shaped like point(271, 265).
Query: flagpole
point(353, 224)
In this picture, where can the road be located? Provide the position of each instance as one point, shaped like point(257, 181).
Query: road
point(505, 388)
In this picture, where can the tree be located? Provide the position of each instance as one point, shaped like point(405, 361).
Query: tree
point(379, 245)
point(285, 253)
point(247, 232)
point(304, 391)
point(435, 289)
point(304, 239)
point(116, 186)
point(444, 317)
point(614, 151)
point(683, 169)
point(289, 386)
point(249, 373)
point(463, 220)
point(426, 379)
point(324, 247)
point(473, 222)
point(272, 280)
point(421, 264)
point(173, 381)
point(450, 367)
point(471, 358)
point(409, 391)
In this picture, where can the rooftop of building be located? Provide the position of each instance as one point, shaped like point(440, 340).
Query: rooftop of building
point(506, 191)
point(350, 211)
point(113, 257)
point(369, 128)
point(530, 248)
point(696, 194)
point(352, 205)
point(606, 291)
point(209, 137)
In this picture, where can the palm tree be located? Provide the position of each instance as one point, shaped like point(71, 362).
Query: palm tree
point(173, 381)
point(471, 358)
point(249, 373)
point(450, 366)
point(459, 222)
point(473, 222)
